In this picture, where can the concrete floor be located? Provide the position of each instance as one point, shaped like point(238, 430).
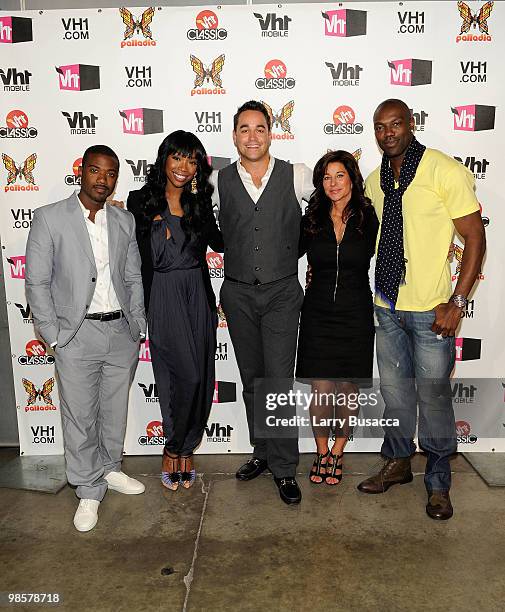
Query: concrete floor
point(235, 546)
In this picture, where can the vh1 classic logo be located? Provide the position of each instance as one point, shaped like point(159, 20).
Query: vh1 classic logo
point(207, 27)
point(463, 433)
point(215, 265)
point(275, 72)
point(78, 77)
point(154, 435)
point(410, 72)
point(473, 117)
point(344, 23)
point(142, 121)
point(139, 27)
point(36, 354)
point(15, 29)
point(17, 126)
point(75, 177)
point(344, 122)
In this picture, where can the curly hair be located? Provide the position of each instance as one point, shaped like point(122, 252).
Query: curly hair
point(197, 207)
point(319, 206)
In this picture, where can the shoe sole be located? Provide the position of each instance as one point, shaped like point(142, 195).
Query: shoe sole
point(119, 490)
point(406, 480)
point(88, 529)
point(439, 518)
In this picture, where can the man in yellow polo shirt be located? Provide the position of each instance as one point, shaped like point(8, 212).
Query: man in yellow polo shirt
point(421, 196)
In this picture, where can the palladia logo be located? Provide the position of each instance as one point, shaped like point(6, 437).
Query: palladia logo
point(471, 19)
point(137, 31)
point(207, 27)
point(210, 74)
point(281, 119)
point(20, 171)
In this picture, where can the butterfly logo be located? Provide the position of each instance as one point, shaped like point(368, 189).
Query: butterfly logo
point(34, 393)
point(356, 154)
point(211, 74)
point(475, 19)
point(220, 313)
point(24, 170)
point(281, 119)
point(139, 26)
point(456, 251)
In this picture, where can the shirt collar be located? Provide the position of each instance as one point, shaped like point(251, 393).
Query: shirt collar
point(84, 210)
point(242, 171)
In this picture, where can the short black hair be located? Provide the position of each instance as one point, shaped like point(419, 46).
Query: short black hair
point(99, 150)
point(395, 102)
point(252, 105)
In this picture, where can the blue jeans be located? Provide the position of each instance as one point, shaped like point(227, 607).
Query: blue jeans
point(414, 367)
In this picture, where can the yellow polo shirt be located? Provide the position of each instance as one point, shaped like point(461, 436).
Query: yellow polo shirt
point(442, 190)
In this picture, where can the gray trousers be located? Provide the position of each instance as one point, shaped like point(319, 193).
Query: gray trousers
point(263, 325)
point(95, 370)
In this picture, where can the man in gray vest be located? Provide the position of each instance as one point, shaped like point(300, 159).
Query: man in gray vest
point(259, 201)
point(84, 287)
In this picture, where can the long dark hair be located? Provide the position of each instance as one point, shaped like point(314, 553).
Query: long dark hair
point(319, 207)
point(197, 207)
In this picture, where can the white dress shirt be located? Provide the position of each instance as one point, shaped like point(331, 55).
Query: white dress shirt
point(302, 179)
point(104, 297)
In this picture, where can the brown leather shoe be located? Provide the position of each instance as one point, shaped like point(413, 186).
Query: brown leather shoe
point(394, 471)
point(439, 506)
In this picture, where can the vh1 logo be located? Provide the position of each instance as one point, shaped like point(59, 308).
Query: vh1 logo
point(468, 349)
point(78, 77)
point(344, 23)
point(473, 117)
point(142, 121)
point(15, 29)
point(410, 72)
point(17, 266)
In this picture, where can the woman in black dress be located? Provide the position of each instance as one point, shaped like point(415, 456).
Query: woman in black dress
point(175, 224)
point(335, 347)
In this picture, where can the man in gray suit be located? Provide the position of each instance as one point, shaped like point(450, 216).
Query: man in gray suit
point(84, 287)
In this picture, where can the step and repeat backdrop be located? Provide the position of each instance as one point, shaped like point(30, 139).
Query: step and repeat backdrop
point(127, 77)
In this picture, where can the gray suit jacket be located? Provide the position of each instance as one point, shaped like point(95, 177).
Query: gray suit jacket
point(61, 273)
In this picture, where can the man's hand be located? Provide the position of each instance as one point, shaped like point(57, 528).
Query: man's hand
point(117, 203)
point(447, 319)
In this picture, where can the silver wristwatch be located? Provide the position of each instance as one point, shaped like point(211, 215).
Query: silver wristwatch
point(459, 300)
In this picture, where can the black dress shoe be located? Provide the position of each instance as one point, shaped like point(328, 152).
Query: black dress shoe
point(252, 468)
point(289, 490)
point(439, 506)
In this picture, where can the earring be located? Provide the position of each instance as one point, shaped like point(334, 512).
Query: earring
point(194, 188)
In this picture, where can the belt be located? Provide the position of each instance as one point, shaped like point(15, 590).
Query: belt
point(257, 282)
point(105, 316)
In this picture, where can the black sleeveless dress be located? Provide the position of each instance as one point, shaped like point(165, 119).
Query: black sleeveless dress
point(336, 327)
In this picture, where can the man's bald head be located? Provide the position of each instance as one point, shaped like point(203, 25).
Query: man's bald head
point(394, 104)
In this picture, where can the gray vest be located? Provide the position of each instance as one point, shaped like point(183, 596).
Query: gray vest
point(261, 240)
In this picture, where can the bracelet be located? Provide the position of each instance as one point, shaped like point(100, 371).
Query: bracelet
point(459, 300)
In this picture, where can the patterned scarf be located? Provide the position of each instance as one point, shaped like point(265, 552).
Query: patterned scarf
point(390, 264)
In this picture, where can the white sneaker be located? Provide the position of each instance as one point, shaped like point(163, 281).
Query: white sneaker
point(86, 515)
point(119, 481)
